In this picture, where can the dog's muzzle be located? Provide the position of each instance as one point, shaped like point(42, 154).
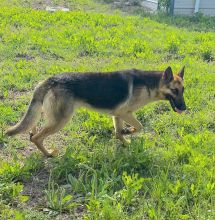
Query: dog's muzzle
point(178, 107)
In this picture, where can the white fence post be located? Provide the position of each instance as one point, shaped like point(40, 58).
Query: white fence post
point(197, 6)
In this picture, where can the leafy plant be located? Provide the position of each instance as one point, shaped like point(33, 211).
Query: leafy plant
point(57, 198)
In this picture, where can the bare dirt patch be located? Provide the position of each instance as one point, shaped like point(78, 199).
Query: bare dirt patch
point(41, 4)
point(34, 188)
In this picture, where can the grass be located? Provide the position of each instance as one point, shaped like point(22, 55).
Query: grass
point(167, 172)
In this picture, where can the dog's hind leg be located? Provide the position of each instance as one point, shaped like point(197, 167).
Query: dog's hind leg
point(33, 132)
point(44, 133)
point(58, 112)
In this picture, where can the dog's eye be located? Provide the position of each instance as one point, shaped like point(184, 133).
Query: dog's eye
point(175, 91)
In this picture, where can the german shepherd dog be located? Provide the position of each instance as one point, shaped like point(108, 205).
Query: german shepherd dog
point(117, 93)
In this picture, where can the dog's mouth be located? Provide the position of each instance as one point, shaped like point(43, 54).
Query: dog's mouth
point(175, 109)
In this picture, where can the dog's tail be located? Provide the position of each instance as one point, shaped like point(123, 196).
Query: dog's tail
point(33, 113)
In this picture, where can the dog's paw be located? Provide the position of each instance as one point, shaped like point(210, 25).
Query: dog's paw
point(54, 153)
point(128, 130)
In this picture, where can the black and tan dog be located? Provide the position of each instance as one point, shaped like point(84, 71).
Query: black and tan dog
point(116, 93)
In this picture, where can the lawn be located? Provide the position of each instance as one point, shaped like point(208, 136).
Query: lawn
point(168, 170)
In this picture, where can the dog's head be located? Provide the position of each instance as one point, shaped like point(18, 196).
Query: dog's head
point(172, 89)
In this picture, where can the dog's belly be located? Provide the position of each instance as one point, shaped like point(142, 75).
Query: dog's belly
point(82, 104)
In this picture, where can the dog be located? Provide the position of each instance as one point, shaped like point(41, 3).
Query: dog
point(117, 93)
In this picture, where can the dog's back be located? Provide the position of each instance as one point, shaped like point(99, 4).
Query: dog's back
point(99, 90)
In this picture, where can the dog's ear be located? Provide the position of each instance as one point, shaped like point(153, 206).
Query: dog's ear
point(167, 75)
point(181, 73)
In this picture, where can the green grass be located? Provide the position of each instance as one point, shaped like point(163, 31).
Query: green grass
point(167, 172)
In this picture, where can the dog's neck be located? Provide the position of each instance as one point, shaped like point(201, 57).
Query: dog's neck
point(151, 80)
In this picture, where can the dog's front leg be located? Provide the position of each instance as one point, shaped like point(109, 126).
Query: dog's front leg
point(118, 125)
point(131, 120)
